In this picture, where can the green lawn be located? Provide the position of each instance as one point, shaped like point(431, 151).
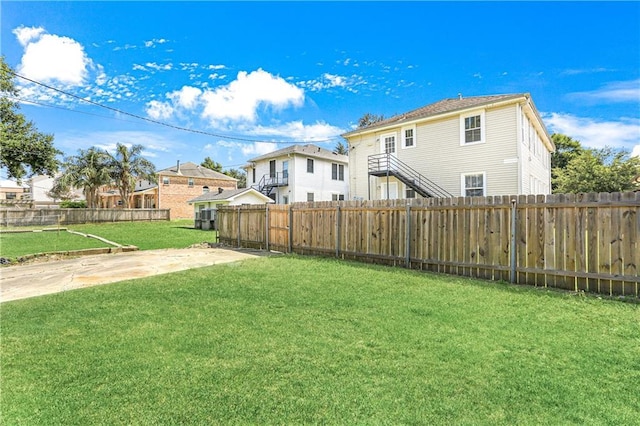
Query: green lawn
point(144, 235)
point(19, 244)
point(291, 340)
point(149, 235)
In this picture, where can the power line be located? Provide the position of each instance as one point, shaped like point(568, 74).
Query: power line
point(160, 123)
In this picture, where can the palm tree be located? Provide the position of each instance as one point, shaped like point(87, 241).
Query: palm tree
point(126, 166)
point(88, 170)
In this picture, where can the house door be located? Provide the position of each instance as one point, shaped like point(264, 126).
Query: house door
point(388, 144)
point(393, 191)
point(272, 168)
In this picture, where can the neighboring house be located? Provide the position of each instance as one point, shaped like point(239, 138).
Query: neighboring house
point(476, 146)
point(300, 173)
point(13, 194)
point(232, 197)
point(41, 185)
point(175, 187)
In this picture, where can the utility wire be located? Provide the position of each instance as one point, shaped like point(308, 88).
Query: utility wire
point(160, 123)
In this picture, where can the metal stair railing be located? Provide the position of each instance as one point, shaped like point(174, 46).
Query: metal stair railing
point(268, 182)
point(387, 164)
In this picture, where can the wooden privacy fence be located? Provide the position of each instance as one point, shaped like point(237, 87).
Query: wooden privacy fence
point(577, 242)
point(29, 217)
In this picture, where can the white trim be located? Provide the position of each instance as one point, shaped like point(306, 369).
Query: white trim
point(483, 127)
point(463, 188)
point(383, 190)
point(403, 137)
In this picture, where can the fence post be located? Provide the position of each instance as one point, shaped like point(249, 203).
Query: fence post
point(290, 229)
point(239, 226)
point(407, 246)
point(266, 225)
point(338, 231)
point(512, 262)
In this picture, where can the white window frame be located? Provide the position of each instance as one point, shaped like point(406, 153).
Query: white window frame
point(463, 188)
point(404, 137)
point(339, 172)
point(337, 197)
point(383, 146)
point(313, 165)
point(312, 196)
point(165, 180)
point(483, 127)
point(190, 182)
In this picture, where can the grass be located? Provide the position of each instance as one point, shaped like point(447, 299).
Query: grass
point(16, 245)
point(144, 235)
point(291, 340)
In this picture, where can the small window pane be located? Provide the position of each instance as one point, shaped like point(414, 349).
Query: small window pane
point(310, 197)
point(309, 165)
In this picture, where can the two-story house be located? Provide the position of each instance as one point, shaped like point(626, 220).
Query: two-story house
point(300, 173)
point(175, 186)
point(475, 146)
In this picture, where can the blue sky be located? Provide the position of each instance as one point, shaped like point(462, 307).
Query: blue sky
point(259, 75)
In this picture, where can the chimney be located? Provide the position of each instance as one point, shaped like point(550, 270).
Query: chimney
point(460, 96)
point(178, 167)
point(220, 190)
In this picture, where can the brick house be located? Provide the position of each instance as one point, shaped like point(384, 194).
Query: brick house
point(174, 188)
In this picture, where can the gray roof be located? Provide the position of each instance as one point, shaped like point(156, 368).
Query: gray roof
point(308, 150)
point(441, 107)
point(143, 185)
point(189, 169)
point(224, 195)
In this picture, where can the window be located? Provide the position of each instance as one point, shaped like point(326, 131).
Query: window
point(165, 180)
point(310, 196)
point(11, 195)
point(309, 165)
point(285, 199)
point(388, 143)
point(472, 129)
point(337, 171)
point(205, 189)
point(410, 193)
point(190, 182)
point(285, 169)
point(473, 184)
point(272, 168)
point(253, 174)
point(409, 137)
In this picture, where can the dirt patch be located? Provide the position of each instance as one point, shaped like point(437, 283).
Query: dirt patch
point(57, 273)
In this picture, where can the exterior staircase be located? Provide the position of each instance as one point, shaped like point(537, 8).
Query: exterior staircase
point(382, 165)
point(268, 182)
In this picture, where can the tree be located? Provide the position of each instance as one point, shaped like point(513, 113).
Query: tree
point(212, 165)
point(598, 170)
point(127, 166)
point(368, 119)
point(238, 174)
point(88, 170)
point(341, 149)
point(566, 150)
point(23, 150)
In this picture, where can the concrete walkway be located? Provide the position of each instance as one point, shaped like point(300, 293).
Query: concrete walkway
point(23, 281)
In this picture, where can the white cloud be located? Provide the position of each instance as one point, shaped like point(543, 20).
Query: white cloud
point(158, 67)
point(328, 81)
point(50, 57)
point(297, 130)
point(596, 134)
point(26, 34)
point(240, 99)
point(152, 43)
point(216, 67)
point(159, 110)
point(258, 148)
point(636, 151)
point(187, 97)
point(619, 91)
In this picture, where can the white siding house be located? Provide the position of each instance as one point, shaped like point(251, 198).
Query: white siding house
point(485, 145)
point(300, 173)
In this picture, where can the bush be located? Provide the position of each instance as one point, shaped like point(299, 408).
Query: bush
point(69, 204)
